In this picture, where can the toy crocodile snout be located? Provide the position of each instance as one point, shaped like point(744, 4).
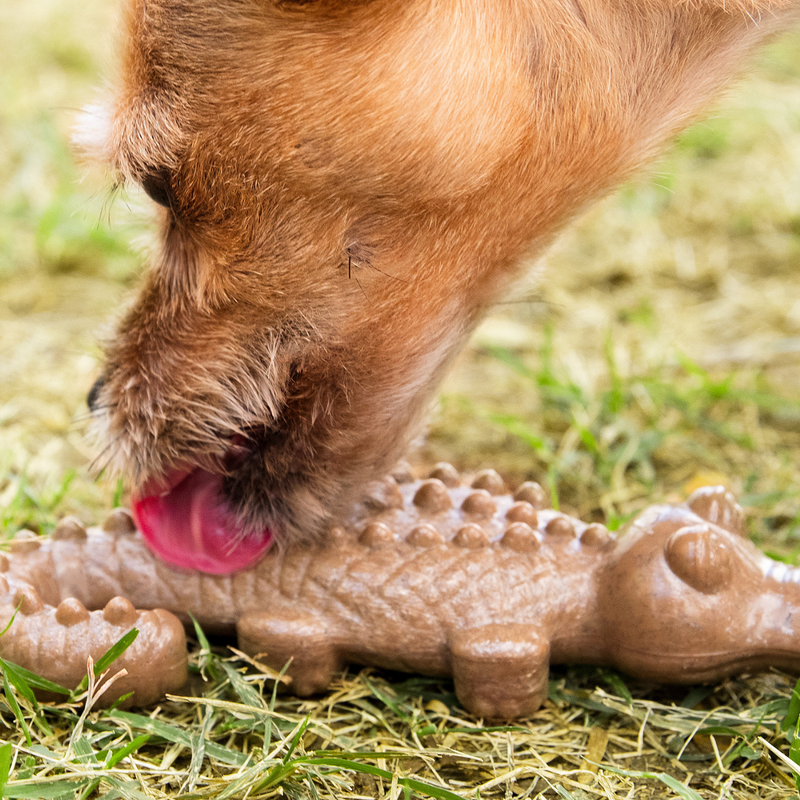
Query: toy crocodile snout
point(432, 576)
point(686, 597)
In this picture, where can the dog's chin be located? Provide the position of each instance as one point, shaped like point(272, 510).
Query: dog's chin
point(186, 521)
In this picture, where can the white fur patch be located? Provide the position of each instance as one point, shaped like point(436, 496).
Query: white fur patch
point(92, 130)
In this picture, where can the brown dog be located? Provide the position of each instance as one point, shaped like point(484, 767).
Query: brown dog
point(348, 186)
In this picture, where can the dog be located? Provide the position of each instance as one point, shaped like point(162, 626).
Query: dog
point(347, 187)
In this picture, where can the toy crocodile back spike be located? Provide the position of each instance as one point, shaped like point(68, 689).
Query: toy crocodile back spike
point(431, 576)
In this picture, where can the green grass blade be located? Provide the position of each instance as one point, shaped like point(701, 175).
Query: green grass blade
point(210, 660)
point(388, 701)
point(89, 790)
point(518, 428)
point(121, 699)
point(33, 680)
point(680, 789)
point(277, 775)
point(6, 753)
point(792, 715)
point(13, 617)
point(505, 356)
point(62, 490)
point(18, 681)
point(132, 746)
point(200, 634)
point(199, 752)
point(119, 492)
point(618, 685)
point(115, 651)
point(84, 752)
point(247, 694)
point(273, 700)
point(45, 791)
point(129, 790)
point(794, 754)
point(587, 438)
point(110, 656)
point(22, 680)
point(174, 734)
point(12, 701)
point(296, 738)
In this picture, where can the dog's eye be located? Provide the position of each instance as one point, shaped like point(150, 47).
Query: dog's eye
point(157, 186)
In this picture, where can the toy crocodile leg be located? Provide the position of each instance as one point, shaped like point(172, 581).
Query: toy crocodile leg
point(302, 639)
point(500, 671)
point(55, 642)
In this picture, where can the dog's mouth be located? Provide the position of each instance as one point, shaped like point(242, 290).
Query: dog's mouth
point(186, 520)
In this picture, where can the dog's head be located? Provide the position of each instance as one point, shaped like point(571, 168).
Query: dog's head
point(323, 169)
point(346, 186)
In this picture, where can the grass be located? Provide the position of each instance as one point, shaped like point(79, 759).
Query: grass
point(386, 736)
point(606, 451)
point(659, 352)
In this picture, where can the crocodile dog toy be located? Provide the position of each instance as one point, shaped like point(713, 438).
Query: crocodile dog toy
point(429, 576)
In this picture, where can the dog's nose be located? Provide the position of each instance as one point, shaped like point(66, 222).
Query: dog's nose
point(94, 392)
point(158, 187)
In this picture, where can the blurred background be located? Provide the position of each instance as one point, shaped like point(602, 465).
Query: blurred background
point(658, 350)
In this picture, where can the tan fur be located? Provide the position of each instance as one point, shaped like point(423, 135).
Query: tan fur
point(353, 183)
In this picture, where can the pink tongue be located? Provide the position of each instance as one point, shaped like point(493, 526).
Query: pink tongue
point(189, 526)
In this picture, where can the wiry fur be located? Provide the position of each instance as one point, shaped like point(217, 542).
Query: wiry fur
point(352, 183)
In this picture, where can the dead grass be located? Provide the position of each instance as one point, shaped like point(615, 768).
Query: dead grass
point(661, 350)
point(387, 736)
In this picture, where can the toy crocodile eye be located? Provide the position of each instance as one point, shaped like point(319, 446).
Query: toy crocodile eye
point(158, 187)
point(700, 557)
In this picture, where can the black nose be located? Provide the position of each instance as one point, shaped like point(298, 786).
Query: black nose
point(158, 187)
point(94, 392)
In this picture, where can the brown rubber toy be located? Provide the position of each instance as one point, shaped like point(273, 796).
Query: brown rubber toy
point(432, 577)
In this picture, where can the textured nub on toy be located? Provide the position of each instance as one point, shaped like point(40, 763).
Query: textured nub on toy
point(442, 578)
